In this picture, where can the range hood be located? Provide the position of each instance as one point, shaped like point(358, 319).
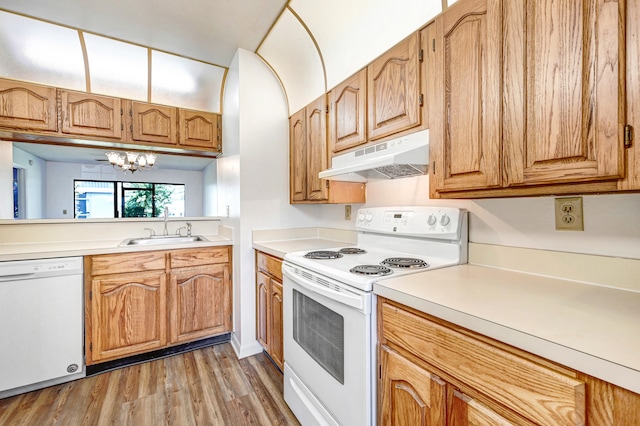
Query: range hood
point(395, 158)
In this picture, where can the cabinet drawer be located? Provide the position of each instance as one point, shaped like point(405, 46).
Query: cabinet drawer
point(270, 265)
point(200, 256)
point(536, 392)
point(127, 262)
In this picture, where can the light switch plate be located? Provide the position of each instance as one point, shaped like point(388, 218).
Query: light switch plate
point(347, 212)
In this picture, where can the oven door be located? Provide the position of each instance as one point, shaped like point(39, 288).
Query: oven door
point(328, 349)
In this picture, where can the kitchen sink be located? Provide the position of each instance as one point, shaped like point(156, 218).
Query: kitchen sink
point(162, 239)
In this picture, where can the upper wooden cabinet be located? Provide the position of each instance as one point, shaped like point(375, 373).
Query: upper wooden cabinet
point(393, 88)
point(465, 120)
point(308, 157)
point(298, 156)
point(28, 106)
point(530, 98)
point(56, 115)
point(309, 152)
point(348, 113)
point(200, 129)
point(564, 91)
point(91, 115)
point(153, 123)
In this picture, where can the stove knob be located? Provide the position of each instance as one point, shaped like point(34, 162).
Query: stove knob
point(444, 220)
point(369, 217)
point(361, 217)
point(431, 220)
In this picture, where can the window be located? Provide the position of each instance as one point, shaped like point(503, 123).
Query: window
point(98, 199)
point(18, 193)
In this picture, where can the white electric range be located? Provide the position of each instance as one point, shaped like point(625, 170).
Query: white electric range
point(329, 311)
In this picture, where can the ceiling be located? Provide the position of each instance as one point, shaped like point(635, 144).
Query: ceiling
point(94, 156)
point(206, 30)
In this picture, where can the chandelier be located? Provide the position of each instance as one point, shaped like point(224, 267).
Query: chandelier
point(131, 161)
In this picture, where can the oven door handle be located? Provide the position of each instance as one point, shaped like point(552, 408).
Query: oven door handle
point(343, 296)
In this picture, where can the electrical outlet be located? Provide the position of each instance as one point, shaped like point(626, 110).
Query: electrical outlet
point(569, 214)
point(347, 212)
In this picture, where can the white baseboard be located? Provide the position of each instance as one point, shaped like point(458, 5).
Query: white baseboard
point(248, 349)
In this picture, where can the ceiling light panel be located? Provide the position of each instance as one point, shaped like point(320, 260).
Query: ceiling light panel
point(117, 68)
point(185, 83)
point(40, 52)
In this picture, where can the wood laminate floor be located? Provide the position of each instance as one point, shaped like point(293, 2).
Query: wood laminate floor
point(209, 386)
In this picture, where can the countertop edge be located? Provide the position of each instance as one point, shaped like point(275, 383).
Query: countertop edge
point(625, 377)
point(88, 248)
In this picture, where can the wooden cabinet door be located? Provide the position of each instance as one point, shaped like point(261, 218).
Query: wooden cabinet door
point(200, 130)
point(199, 302)
point(348, 113)
point(465, 411)
point(262, 311)
point(91, 115)
point(409, 394)
point(275, 323)
point(466, 135)
point(564, 91)
point(393, 88)
point(129, 314)
point(298, 156)
point(27, 106)
point(316, 118)
point(153, 123)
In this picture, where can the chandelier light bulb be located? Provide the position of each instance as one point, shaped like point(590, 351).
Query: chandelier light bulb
point(131, 161)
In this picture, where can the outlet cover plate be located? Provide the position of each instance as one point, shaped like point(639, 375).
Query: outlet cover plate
point(568, 212)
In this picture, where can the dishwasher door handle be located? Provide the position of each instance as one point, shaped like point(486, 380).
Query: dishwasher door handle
point(16, 277)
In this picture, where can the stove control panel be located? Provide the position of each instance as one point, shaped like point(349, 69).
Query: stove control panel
point(423, 221)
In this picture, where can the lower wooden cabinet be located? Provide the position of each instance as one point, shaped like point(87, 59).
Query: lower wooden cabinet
point(418, 397)
point(128, 314)
point(435, 373)
point(139, 302)
point(200, 302)
point(269, 306)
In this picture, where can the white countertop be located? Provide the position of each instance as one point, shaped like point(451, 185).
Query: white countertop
point(590, 328)
point(280, 248)
point(278, 242)
point(44, 250)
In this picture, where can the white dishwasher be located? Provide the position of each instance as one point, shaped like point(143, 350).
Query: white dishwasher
point(41, 323)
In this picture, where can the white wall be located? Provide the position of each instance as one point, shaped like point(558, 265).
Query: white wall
point(611, 222)
point(210, 190)
point(35, 182)
point(253, 179)
point(6, 180)
point(60, 176)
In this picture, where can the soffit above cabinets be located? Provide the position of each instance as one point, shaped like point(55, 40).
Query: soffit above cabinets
point(205, 30)
point(315, 45)
point(58, 56)
point(310, 45)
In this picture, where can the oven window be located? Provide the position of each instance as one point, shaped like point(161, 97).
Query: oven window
point(320, 332)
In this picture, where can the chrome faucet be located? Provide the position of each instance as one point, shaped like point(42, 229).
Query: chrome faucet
point(166, 214)
point(187, 227)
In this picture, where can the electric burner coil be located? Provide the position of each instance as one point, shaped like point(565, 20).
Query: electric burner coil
point(323, 254)
point(371, 270)
point(404, 262)
point(352, 250)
